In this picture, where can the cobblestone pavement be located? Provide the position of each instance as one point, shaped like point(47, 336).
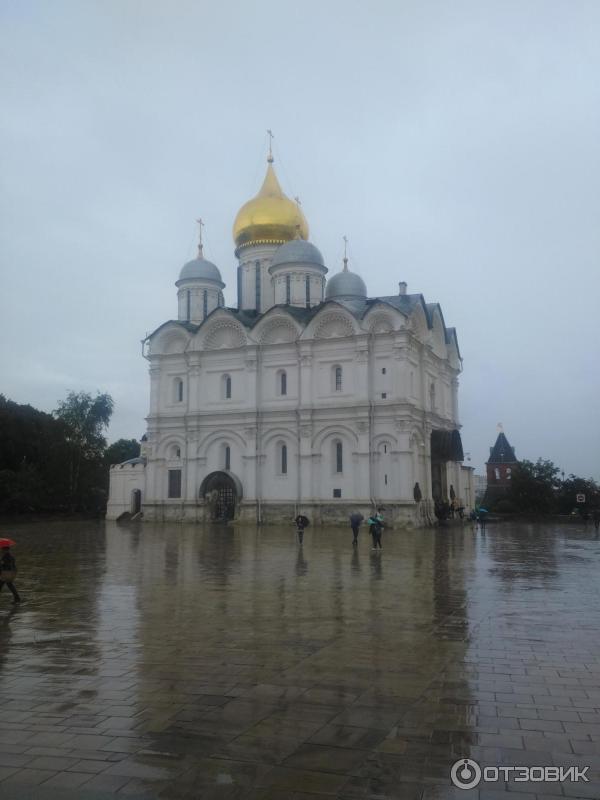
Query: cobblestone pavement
point(180, 662)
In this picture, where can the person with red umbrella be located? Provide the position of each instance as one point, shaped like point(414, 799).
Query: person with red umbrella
point(8, 568)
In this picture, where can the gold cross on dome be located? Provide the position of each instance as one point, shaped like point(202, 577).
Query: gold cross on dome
point(271, 137)
point(200, 226)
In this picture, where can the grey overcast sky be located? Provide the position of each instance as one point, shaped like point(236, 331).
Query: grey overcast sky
point(456, 144)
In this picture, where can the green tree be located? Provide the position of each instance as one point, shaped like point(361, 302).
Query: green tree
point(84, 418)
point(571, 487)
point(534, 487)
point(32, 457)
point(121, 450)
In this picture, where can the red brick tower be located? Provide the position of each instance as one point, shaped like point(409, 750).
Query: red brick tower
point(499, 468)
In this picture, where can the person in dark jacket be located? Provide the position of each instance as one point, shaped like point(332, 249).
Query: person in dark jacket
point(8, 568)
point(302, 522)
point(375, 523)
point(355, 521)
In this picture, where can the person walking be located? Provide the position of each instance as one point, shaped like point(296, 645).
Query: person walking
point(8, 571)
point(482, 517)
point(355, 521)
point(302, 522)
point(375, 523)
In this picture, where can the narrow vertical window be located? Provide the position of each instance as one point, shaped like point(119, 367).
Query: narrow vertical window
point(288, 289)
point(179, 390)
point(239, 287)
point(338, 379)
point(188, 305)
point(307, 280)
point(174, 483)
point(228, 458)
point(283, 383)
point(284, 459)
point(339, 457)
point(227, 381)
point(204, 304)
point(257, 286)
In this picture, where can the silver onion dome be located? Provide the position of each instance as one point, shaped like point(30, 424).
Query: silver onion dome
point(298, 251)
point(345, 284)
point(200, 269)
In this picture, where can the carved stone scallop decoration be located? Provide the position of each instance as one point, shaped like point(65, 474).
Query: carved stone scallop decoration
point(333, 327)
point(225, 335)
point(279, 332)
point(381, 324)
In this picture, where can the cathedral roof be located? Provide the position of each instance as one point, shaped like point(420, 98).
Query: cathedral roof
point(502, 452)
point(357, 306)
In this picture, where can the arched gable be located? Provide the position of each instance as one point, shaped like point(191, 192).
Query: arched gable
point(221, 330)
point(276, 327)
point(453, 349)
point(419, 322)
point(169, 338)
point(437, 334)
point(332, 321)
point(383, 318)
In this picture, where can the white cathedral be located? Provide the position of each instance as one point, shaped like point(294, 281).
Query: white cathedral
point(309, 396)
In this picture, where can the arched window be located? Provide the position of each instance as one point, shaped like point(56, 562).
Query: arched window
point(178, 390)
point(339, 456)
point(283, 454)
point(282, 382)
point(175, 451)
point(188, 305)
point(337, 372)
point(497, 473)
point(508, 473)
point(227, 387)
point(307, 282)
point(227, 457)
point(288, 289)
point(205, 303)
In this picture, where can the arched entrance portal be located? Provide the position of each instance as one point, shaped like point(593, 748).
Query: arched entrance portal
point(221, 491)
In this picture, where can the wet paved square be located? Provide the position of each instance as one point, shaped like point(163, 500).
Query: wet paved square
point(181, 662)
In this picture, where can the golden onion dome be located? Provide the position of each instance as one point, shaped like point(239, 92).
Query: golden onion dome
point(270, 217)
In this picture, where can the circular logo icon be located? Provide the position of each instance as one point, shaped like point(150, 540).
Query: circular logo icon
point(465, 773)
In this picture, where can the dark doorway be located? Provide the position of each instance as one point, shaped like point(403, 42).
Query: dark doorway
point(221, 492)
point(136, 501)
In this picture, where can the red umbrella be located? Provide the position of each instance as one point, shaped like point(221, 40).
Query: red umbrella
point(7, 543)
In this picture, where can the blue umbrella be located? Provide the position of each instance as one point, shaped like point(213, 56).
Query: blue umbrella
point(485, 511)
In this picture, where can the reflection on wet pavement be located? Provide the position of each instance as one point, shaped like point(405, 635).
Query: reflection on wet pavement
point(184, 662)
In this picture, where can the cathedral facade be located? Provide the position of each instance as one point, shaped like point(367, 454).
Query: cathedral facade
point(309, 396)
